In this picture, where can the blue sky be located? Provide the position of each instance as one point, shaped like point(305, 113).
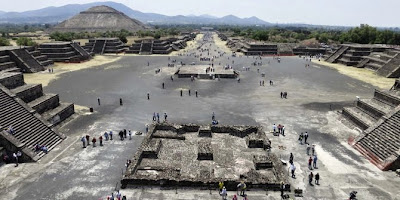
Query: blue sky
point(382, 13)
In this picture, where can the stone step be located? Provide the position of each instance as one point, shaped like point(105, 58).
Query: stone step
point(373, 107)
point(373, 66)
point(47, 63)
point(13, 69)
point(45, 103)
point(35, 53)
point(12, 80)
point(28, 92)
point(59, 114)
point(6, 65)
point(387, 97)
point(358, 117)
point(41, 58)
point(4, 59)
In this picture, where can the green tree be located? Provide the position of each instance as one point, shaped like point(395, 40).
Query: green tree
point(24, 41)
point(4, 42)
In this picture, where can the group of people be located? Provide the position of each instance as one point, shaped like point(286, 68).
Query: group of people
point(43, 148)
point(241, 187)
point(278, 129)
point(303, 136)
point(15, 157)
point(156, 117)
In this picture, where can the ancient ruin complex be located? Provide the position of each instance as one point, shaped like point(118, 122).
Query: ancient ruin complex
point(200, 156)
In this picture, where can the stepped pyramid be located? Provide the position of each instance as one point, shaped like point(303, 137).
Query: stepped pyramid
point(99, 18)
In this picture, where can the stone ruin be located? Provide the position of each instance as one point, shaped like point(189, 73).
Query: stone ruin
point(378, 118)
point(197, 156)
point(64, 52)
point(104, 45)
point(165, 46)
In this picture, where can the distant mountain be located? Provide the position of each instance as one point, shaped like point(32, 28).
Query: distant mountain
point(58, 14)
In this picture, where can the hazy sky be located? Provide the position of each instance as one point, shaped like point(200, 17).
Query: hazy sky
point(325, 12)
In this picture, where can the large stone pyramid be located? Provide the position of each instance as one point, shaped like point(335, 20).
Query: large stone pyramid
point(99, 18)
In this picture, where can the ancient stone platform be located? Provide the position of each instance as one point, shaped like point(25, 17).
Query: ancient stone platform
point(199, 71)
point(182, 156)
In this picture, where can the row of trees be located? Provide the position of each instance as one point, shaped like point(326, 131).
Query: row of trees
point(69, 36)
point(22, 41)
point(364, 34)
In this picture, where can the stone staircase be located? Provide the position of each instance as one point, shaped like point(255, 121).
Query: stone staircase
point(47, 105)
point(104, 45)
point(391, 69)
point(332, 58)
point(99, 46)
point(42, 59)
point(30, 129)
point(368, 111)
point(63, 52)
point(19, 59)
point(27, 59)
point(381, 143)
point(6, 65)
point(146, 48)
point(85, 55)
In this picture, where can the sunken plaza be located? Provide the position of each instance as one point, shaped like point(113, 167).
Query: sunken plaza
point(192, 112)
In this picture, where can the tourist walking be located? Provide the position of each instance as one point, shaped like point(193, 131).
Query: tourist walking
point(163, 86)
point(317, 179)
point(291, 158)
point(310, 178)
point(106, 135)
point(224, 193)
point(308, 149)
point(234, 197)
point(154, 116)
point(301, 138)
point(213, 116)
point(313, 149)
point(181, 93)
point(83, 140)
point(94, 141)
point(124, 133)
point(242, 187)
point(274, 128)
point(189, 92)
point(98, 101)
point(148, 96)
point(120, 102)
point(165, 117)
point(15, 159)
point(88, 139)
point(315, 161)
point(130, 134)
point(158, 118)
point(283, 130)
point(111, 134)
point(305, 137)
point(101, 140)
point(121, 135)
point(281, 95)
point(309, 163)
point(292, 170)
point(196, 93)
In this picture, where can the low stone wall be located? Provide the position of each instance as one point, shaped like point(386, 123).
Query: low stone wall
point(12, 80)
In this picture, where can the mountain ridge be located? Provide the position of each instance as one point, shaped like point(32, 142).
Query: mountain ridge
point(54, 15)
